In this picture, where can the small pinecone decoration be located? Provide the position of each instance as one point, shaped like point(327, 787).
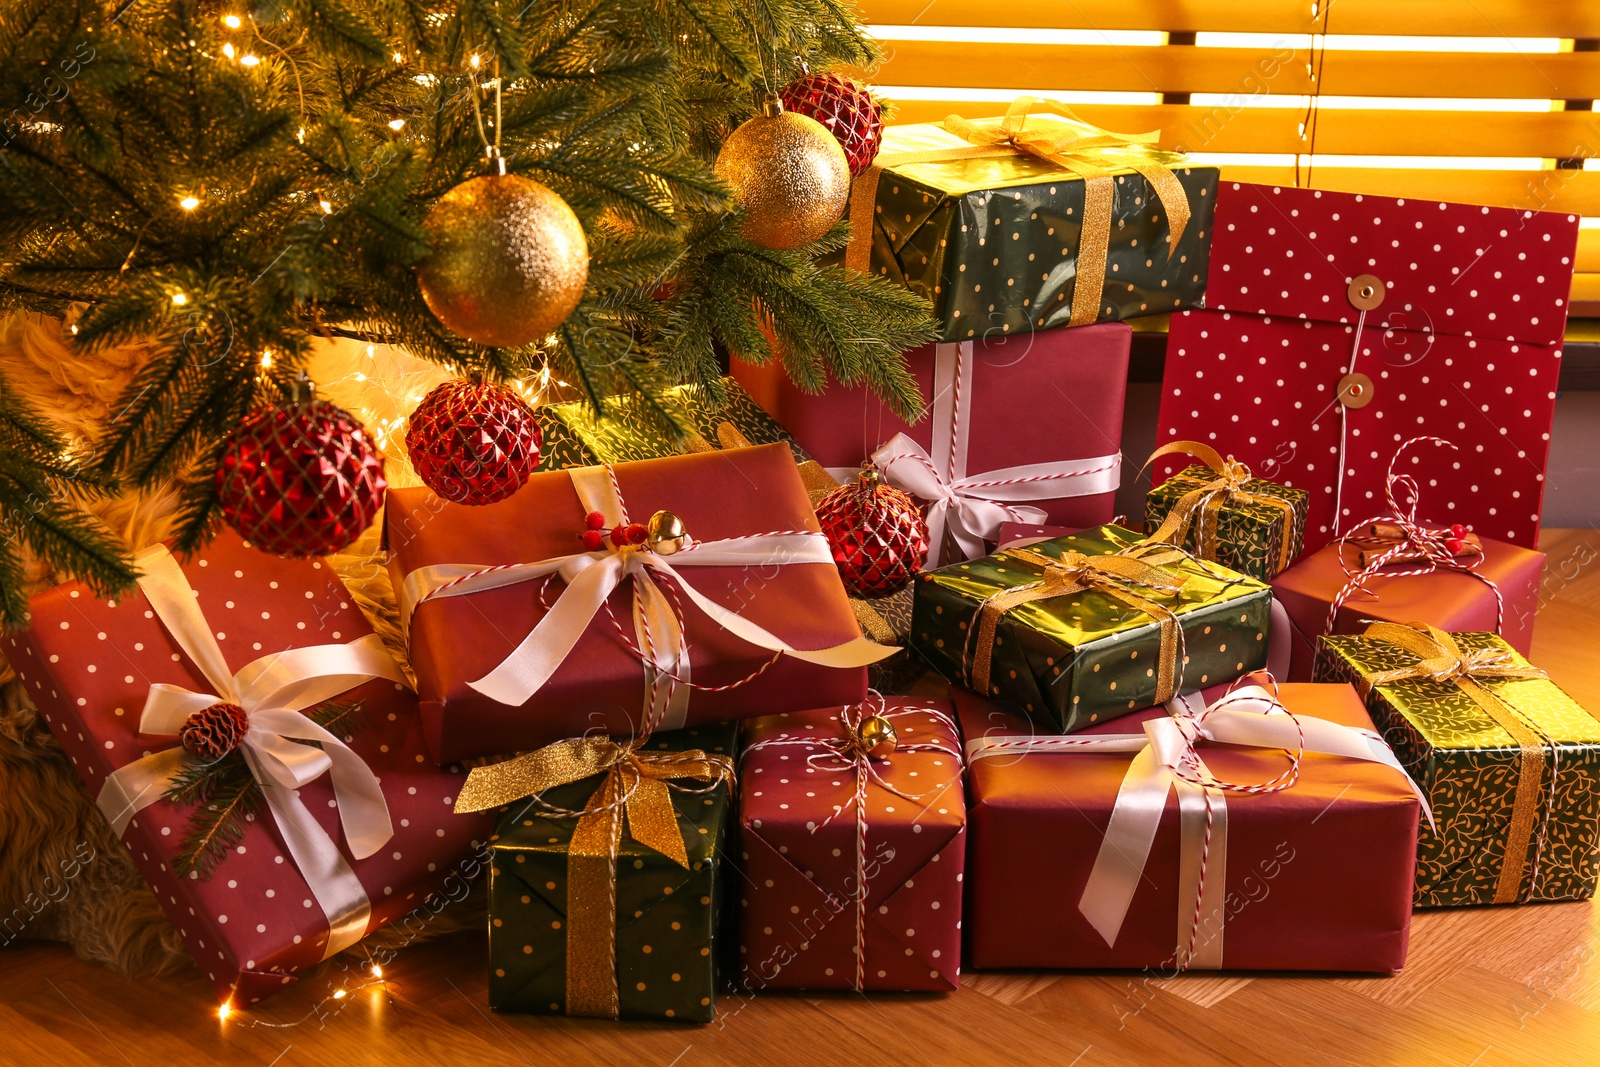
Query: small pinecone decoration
point(846, 109)
point(213, 732)
point(473, 442)
point(877, 534)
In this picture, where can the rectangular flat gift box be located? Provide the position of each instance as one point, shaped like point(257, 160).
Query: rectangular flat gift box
point(797, 912)
point(88, 665)
point(600, 685)
point(1318, 875)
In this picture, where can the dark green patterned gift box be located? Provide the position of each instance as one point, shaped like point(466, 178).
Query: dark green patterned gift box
point(1090, 653)
point(1257, 528)
point(994, 243)
point(666, 916)
point(887, 620)
point(1534, 749)
point(574, 437)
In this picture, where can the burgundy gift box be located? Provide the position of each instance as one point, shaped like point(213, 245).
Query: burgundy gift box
point(88, 664)
point(1053, 397)
point(1318, 877)
point(601, 684)
point(1450, 600)
point(798, 886)
point(1461, 312)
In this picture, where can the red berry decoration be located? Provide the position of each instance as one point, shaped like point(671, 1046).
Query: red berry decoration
point(473, 442)
point(213, 732)
point(300, 480)
point(1454, 545)
point(595, 520)
point(877, 534)
point(593, 540)
point(1458, 531)
point(846, 109)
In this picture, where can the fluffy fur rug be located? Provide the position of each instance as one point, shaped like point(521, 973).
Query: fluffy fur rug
point(63, 875)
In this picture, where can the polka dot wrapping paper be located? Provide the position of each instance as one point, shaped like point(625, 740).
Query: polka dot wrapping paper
point(798, 896)
point(993, 242)
point(1083, 658)
point(668, 918)
point(88, 665)
point(1464, 343)
point(1317, 876)
point(1447, 599)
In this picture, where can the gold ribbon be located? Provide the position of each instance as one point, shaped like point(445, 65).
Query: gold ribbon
point(1120, 575)
point(1205, 503)
point(1086, 150)
point(635, 783)
point(1440, 659)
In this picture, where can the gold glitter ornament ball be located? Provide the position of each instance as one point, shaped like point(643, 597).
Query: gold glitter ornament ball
point(507, 260)
point(789, 175)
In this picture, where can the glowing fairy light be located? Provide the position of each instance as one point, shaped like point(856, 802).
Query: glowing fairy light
point(189, 203)
point(266, 358)
point(224, 1010)
point(180, 299)
point(397, 125)
point(249, 60)
point(231, 21)
point(228, 51)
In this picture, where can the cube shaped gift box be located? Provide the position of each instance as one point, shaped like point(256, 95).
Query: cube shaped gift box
point(245, 657)
point(1506, 758)
point(852, 844)
point(1253, 827)
point(558, 611)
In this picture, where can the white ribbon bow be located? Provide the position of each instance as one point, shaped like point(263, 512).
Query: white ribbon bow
point(1165, 759)
point(590, 579)
point(273, 691)
point(973, 507)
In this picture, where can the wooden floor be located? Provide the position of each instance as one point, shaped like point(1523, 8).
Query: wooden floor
point(1483, 988)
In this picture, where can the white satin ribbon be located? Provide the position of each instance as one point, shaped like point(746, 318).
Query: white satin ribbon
point(590, 579)
point(1248, 716)
point(973, 506)
point(272, 690)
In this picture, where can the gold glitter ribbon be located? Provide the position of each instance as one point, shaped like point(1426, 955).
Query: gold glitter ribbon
point(1203, 505)
point(1121, 575)
point(1440, 659)
point(635, 787)
point(1086, 150)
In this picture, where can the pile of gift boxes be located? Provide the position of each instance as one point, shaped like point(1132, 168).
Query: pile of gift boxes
point(1250, 728)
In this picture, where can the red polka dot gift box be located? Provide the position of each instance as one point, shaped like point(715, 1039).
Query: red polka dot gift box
point(1339, 325)
point(852, 838)
point(255, 681)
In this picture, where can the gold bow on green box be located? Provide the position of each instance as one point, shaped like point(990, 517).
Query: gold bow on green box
point(1074, 224)
point(1509, 762)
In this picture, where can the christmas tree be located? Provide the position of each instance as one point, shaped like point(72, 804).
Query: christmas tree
point(237, 179)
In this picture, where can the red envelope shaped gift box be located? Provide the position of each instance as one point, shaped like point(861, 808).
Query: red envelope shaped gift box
point(270, 908)
point(1315, 873)
point(520, 635)
point(1023, 428)
point(827, 900)
point(1337, 325)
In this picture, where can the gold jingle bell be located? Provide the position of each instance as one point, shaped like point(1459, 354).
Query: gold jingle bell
point(666, 534)
point(876, 737)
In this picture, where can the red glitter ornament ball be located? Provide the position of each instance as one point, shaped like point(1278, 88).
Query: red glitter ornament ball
point(473, 442)
point(846, 109)
point(877, 534)
point(213, 732)
point(300, 480)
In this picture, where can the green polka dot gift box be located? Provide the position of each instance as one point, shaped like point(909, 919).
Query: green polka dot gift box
point(1008, 241)
point(1084, 628)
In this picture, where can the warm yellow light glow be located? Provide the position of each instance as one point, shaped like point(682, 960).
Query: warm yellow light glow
point(248, 60)
point(300, 135)
point(398, 58)
point(1344, 42)
point(266, 359)
point(74, 326)
point(371, 352)
point(227, 50)
point(1375, 103)
point(340, 995)
point(377, 971)
point(224, 1010)
point(1007, 35)
point(474, 61)
point(231, 21)
point(1005, 96)
point(397, 124)
point(189, 203)
point(180, 299)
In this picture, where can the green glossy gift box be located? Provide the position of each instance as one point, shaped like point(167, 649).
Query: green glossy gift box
point(1510, 767)
point(1082, 652)
point(995, 242)
point(667, 916)
point(1258, 529)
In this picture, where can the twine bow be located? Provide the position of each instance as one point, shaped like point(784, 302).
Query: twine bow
point(1086, 150)
point(1200, 507)
point(1128, 575)
point(636, 789)
point(1441, 659)
point(1400, 538)
point(848, 751)
point(273, 690)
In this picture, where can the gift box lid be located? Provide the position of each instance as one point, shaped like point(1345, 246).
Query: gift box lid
point(1295, 252)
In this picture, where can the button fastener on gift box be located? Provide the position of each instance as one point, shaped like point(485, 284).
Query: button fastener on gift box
point(1366, 292)
point(1355, 390)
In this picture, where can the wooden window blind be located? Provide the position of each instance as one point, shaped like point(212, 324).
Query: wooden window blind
point(1479, 101)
